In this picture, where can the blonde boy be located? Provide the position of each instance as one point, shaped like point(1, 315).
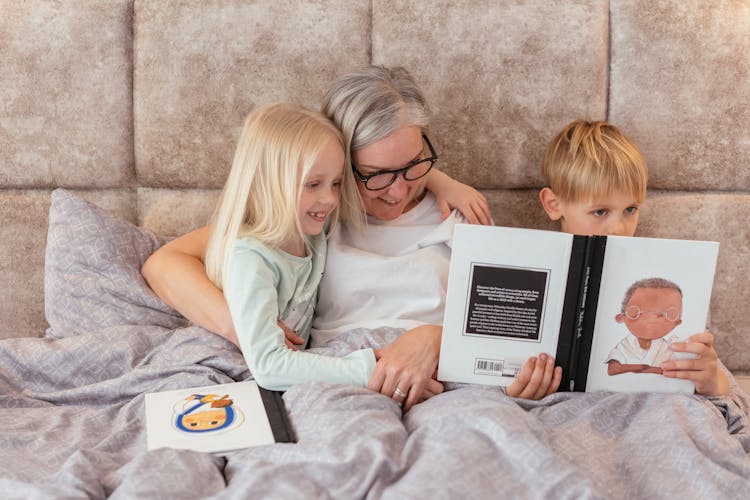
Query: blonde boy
point(595, 184)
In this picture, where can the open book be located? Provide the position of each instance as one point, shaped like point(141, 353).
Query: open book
point(217, 418)
point(607, 307)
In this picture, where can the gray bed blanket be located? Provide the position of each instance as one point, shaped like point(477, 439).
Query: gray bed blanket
point(72, 413)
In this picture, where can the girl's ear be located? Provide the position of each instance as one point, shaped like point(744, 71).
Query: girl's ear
point(550, 203)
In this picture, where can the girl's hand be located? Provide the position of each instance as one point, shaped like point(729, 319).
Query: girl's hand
point(538, 378)
point(452, 194)
point(408, 364)
point(291, 339)
point(703, 369)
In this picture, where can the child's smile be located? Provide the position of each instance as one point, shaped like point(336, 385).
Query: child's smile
point(322, 189)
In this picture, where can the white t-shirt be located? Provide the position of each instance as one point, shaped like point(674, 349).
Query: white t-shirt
point(391, 274)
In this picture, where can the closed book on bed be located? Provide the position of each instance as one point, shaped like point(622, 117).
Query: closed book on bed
point(216, 419)
point(515, 293)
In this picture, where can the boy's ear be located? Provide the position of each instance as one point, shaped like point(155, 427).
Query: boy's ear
point(550, 203)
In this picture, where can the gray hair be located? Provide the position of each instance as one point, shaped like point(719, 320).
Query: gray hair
point(372, 102)
point(648, 283)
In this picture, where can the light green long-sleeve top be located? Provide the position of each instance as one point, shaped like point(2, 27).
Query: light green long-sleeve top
point(263, 285)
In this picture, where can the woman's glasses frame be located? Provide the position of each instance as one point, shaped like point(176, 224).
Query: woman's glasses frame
point(384, 178)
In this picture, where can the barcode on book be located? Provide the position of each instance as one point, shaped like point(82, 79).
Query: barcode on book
point(488, 367)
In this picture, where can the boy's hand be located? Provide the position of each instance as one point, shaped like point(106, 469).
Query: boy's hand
point(452, 194)
point(538, 378)
point(703, 369)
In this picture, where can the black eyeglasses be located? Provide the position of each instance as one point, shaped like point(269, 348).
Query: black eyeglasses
point(412, 171)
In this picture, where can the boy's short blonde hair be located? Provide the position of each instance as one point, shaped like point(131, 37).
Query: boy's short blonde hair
point(589, 160)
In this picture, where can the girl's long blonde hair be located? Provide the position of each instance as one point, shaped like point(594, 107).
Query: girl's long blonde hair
point(278, 146)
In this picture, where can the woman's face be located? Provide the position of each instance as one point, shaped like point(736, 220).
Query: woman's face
point(390, 153)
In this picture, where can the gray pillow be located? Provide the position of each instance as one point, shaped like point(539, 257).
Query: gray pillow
point(92, 277)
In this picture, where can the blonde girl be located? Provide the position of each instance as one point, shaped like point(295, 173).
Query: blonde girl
point(267, 246)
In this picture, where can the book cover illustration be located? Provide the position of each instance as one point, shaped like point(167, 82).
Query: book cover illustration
point(206, 413)
point(214, 419)
point(651, 310)
point(653, 292)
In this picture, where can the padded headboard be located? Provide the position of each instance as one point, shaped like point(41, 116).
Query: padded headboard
point(137, 105)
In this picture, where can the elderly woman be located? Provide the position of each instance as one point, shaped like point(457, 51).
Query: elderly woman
point(386, 273)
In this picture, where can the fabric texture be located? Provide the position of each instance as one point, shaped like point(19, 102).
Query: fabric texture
point(357, 289)
point(263, 285)
point(77, 429)
point(92, 276)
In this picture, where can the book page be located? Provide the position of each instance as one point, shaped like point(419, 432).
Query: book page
point(215, 418)
point(671, 284)
point(506, 288)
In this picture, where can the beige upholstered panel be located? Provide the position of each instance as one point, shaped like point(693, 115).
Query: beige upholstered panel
point(171, 213)
point(23, 235)
point(722, 218)
point(519, 208)
point(65, 94)
point(200, 67)
point(680, 85)
point(501, 77)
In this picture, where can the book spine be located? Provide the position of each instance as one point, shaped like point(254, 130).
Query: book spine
point(571, 322)
point(277, 416)
point(596, 247)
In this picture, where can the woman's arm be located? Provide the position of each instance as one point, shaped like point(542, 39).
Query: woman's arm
point(453, 194)
point(177, 274)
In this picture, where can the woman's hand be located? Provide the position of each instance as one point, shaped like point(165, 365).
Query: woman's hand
point(405, 368)
point(539, 377)
point(703, 370)
point(452, 194)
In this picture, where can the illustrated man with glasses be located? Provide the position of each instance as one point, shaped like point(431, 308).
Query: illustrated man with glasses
point(651, 309)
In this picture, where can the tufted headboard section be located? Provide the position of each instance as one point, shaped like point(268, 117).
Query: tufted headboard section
point(137, 106)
